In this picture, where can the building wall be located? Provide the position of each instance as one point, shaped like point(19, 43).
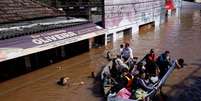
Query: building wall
point(123, 14)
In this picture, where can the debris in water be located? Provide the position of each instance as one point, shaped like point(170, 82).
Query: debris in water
point(59, 67)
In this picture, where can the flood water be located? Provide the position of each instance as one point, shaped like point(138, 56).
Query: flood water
point(180, 34)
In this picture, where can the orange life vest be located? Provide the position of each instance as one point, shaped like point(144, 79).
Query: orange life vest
point(130, 81)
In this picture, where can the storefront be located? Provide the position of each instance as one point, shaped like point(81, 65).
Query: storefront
point(27, 53)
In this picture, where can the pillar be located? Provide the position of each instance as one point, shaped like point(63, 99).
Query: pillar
point(114, 36)
point(91, 41)
point(157, 22)
point(106, 39)
point(63, 53)
point(27, 63)
point(135, 29)
point(120, 35)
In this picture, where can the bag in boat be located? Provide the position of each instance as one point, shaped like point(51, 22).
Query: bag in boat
point(124, 93)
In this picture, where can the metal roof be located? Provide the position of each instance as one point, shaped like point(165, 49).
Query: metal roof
point(12, 30)
point(18, 10)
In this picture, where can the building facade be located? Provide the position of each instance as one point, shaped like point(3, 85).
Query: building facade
point(121, 15)
point(34, 35)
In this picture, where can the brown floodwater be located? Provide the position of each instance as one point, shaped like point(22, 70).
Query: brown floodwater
point(180, 34)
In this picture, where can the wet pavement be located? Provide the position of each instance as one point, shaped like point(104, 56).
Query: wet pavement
point(181, 35)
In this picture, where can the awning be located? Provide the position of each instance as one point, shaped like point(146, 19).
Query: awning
point(25, 45)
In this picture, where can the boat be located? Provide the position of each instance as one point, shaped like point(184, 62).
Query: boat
point(108, 82)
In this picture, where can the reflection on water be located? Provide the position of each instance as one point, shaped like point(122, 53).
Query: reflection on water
point(180, 35)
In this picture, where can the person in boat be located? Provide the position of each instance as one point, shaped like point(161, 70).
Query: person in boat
point(120, 64)
point(154, 78)
point(127, 52)
point(121, 49)
point(163, 61)
point(108, 56)
point(139, 68)
point(150, 60)
point(126, 79)
point(115, 69)
point(142, 83)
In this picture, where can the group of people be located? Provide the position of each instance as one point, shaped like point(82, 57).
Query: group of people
point(132, 77)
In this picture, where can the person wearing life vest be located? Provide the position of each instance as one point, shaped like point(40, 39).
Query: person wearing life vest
point(127, 79)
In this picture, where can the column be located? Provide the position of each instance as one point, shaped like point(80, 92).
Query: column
point(91, 42)
point(27, 63)
point(114, 36)
point(63, 53)
point(106, 39)
point(135, 29)
point(157, 23)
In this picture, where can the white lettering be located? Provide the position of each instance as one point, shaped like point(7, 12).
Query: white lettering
point(45, 40)
point(71, 34)
point(66, 35)
point(37, 41)
point(52, 38)
point(59, 36)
